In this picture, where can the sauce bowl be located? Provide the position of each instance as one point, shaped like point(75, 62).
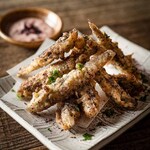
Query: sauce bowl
point(11, 17)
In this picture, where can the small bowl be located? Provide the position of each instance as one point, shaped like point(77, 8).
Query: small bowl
point(49, 17)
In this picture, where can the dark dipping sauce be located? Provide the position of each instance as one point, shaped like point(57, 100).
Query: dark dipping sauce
point(30, 29)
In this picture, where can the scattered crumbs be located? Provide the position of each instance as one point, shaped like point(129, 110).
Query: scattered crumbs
point(25, 103)
point(93, 129)
point(74, 137)
point(48, 120)
point(109, 112)
point(38, 115)
point(73, 132)
point(87, 136)
point(49, 129)
point(13, 90)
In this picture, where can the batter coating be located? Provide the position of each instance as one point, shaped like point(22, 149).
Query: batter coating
point(113, 90)
point(64, 44)
point(63, 87)
point(122, 62)
point(35, 83)
point(66, 115)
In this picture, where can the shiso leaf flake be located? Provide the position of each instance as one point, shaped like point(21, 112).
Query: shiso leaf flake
point(87, 136)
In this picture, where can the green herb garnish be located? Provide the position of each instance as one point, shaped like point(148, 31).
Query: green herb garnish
point(109, 112)
point(54, 76)
point(79, 66)
point(49, 129)
point(51, 79)
point(13, 90)
point(19, 96)
point(87, 136)
point(56, 73)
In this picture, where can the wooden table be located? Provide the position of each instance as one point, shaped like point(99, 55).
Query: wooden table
point(130, 18)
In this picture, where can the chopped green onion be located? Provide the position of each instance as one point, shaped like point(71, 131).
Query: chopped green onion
point(79, 66)
point(56, 73)
point(13, 90)
point(53, 77)
point(49, 129)
point(109, 112)
point(87, 136)
point(19, 96)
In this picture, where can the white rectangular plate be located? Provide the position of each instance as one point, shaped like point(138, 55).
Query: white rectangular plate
point(103, 128)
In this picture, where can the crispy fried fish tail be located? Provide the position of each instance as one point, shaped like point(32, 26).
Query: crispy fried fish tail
point(54, 52)
point(89, 101)
point(63, 87)
point(66, 115)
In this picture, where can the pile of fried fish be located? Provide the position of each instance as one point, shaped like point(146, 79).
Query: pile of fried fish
point(70, 82)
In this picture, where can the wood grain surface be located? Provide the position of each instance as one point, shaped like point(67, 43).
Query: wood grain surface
point(130, 18)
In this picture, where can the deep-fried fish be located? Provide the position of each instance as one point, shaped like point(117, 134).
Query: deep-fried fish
point(122, 62)
point(63, 87)
point(35, 83)
point(89, 100)
point(54, 52)
point(113, 90)
point(131, 87)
